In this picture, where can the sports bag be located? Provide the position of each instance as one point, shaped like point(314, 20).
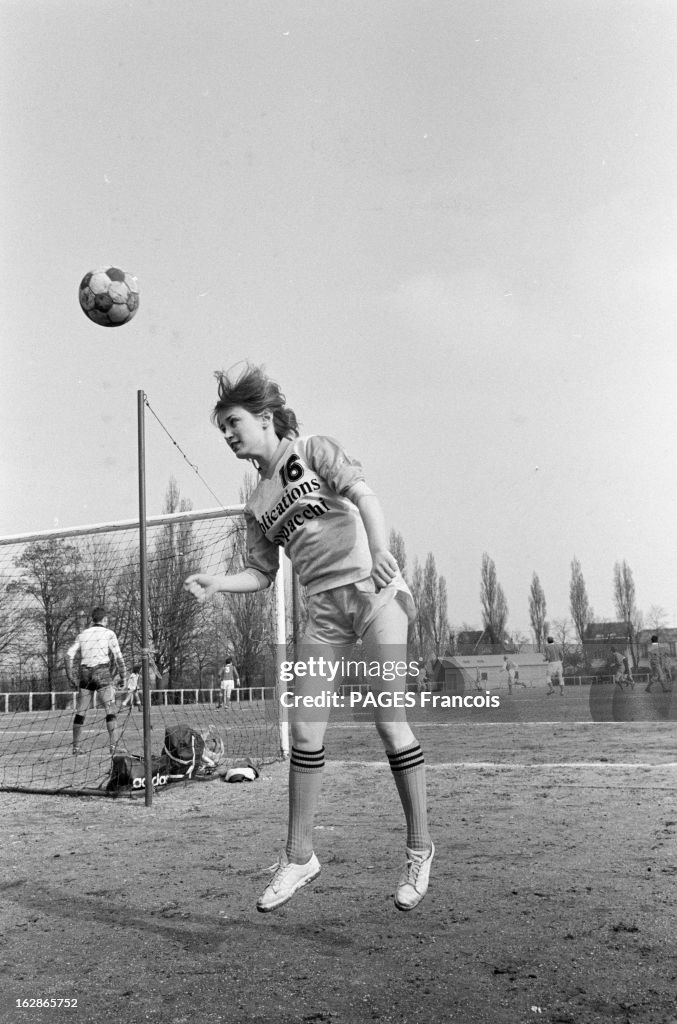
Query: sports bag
point(128, 774)
point(184, 749)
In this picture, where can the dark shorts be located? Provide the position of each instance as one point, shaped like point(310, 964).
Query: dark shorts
point(96, 686)
point(94, 678)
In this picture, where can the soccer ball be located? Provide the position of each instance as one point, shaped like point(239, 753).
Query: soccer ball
point(109, 297)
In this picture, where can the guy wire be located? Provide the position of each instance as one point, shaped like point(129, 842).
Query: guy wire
point(178, 447)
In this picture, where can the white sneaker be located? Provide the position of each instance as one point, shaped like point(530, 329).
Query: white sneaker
point(288, 878)
point(413, 883)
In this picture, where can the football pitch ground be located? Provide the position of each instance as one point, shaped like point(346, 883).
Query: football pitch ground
point(553, 895)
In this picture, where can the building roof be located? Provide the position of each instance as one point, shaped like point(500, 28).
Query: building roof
point(473, 640)
point(470, 636)
point(665, 634)
point(473, 661)
point(601, 631)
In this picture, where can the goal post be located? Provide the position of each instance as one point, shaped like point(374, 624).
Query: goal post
point(281, 649)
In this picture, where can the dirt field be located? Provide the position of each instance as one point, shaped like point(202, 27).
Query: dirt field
point(553, 896)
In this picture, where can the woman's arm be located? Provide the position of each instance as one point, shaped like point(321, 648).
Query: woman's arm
point(384, 564)
point(263, 559)
point(203, 586)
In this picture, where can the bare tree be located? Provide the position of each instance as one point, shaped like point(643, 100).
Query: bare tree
point(624, 591)
point(397, 548)
point(174, 614)
point(459, 631)
point(50, 581)
point(537, 611)
point(519, 640)
point(657, 617)
point(637, 625)
point(624, 599)
point(434, 609)
point(248, 621)
point(10, 617)
point(494, 604)
point(417, 633)
point(248, 618)
point(561, 631)
point(581, 612)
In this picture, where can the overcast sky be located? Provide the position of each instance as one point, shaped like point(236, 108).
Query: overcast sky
point(447, 229)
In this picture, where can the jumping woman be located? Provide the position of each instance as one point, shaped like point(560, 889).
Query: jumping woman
point(312, 500)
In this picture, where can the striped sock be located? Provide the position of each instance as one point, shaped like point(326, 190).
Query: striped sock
point(305, 783)
point(408, 768)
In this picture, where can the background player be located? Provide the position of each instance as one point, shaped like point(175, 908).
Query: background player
point(656, 666)
point(511, 667)
point(132, 696)
point(230, 678)
point(94, 651)
point(621, 671)
point(554, 669)
point(312, 500)
point(627, 673)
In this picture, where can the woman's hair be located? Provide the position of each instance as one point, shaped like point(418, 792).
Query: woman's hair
point(256, 393)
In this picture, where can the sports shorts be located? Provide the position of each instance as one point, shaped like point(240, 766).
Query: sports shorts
point(97, 680)
point(342, 615)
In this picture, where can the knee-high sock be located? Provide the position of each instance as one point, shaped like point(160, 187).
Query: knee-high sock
point(305, 782)
point(408, 768)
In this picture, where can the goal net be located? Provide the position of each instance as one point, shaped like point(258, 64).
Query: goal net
point(49, 583)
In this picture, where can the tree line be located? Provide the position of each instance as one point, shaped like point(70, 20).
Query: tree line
point(45, 601)
point(572, 633)
point(46, 598)
point(433, 636)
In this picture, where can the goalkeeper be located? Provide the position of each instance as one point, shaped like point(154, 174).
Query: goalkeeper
point(312, 500)
point(95, 649)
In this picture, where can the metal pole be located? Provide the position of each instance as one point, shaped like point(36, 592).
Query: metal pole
point(295, 613)
point(281, 649)
point(145, 674)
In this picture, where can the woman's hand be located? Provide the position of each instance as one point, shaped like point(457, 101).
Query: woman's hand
point(384, 568)
point(201, 586)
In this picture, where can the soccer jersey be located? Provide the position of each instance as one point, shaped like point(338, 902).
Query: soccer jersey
point(305, 504)
point(553, 652)
point(95, 646)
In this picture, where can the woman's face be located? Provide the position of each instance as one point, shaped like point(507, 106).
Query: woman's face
point(245, 432)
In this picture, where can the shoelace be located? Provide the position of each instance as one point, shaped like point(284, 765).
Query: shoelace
point(278, 871)
point(414, 865)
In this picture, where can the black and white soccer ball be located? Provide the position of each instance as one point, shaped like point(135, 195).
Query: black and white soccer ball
point(109, 296)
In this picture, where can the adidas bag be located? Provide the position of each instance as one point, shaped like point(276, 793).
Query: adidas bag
point(128, 774)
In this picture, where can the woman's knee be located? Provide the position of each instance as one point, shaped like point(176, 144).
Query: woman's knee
point(395, 735)
point(307, 735)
